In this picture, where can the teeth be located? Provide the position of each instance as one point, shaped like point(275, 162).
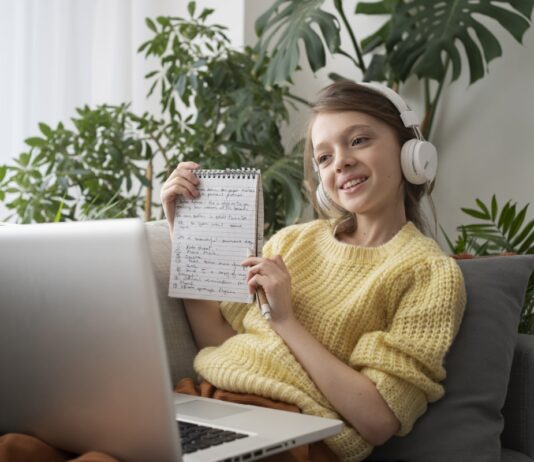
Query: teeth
point(351, 183)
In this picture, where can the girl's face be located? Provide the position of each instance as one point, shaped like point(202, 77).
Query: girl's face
point(351, 147)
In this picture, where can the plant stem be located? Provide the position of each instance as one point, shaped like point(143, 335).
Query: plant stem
point(339, 8)
point(148, 193)
point(427, 94)
point(344, 53)
point(426, 128)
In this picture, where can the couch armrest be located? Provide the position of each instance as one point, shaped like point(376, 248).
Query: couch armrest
point(518, 410)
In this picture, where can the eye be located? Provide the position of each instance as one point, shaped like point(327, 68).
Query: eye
point(358, 140)
point(322, 158)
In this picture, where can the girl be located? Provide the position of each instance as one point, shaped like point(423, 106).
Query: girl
point(364, 306)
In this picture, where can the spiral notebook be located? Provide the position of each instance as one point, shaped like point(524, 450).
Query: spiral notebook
point(214, 233)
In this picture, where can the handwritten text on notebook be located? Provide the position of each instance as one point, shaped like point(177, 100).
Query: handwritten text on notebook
point(211, 236)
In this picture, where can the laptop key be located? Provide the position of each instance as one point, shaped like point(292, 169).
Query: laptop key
point(195, 437)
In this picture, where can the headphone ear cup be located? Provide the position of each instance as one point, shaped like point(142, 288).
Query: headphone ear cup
point(419, 161)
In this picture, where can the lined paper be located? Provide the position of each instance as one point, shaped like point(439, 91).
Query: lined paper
point(212, 234)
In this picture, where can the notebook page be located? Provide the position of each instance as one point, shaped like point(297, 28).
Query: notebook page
point(212, 234)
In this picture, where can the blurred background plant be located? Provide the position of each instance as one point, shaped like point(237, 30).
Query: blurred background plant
point(499, 231)
point(424, 38)
point(215, 110)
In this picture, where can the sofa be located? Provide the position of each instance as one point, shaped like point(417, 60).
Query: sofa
point(487, 413)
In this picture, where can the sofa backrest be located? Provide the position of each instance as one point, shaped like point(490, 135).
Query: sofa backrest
point(181, 347)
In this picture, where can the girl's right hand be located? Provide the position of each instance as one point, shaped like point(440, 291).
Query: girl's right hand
point(180, 182)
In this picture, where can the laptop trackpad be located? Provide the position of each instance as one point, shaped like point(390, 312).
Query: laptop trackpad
point(207, 409)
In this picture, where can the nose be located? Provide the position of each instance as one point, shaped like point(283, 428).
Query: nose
point(343, 159)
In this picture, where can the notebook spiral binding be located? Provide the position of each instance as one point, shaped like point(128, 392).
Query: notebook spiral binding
point(228, 173)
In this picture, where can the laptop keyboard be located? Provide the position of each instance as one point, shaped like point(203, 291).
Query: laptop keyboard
point(195, 437)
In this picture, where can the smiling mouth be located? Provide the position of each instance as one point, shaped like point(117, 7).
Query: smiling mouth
point(352, 183)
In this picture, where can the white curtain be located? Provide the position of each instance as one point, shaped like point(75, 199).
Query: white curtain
point(57, 55)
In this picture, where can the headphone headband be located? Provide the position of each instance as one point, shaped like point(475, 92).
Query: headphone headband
point(409, 117)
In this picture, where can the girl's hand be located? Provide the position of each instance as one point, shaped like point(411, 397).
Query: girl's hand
point(180, 182)
point(273, 276)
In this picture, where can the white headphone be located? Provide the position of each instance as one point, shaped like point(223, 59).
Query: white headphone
point(419, 158)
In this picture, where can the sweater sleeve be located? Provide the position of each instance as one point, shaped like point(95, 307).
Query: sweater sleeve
point(405, 361)
point(235, 312)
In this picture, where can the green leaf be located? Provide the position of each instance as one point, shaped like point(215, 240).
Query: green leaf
point(45, 130)
point(57, 217)
point(424, 34)
point(523, 234)
point(502, 217)
point(376, 39)
point(449, 243)
point(290, 22)
point(314, 49)
point(483, 208)
point(474, 213)
point(383, 7)
point(191, 6)
point(335, 76)
point(35, 141)
point(494, 208)
point(151, 25)
point(3, 171)
point(517, 222)
point(526, 245)
point(508, 219)
point(376, 71)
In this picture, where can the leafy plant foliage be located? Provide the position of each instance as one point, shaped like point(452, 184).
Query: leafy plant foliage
point(216, 111)
point(423, 36)
point(419, 37)
point(502, 230)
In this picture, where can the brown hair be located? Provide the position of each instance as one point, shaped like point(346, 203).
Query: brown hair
point(345, 95)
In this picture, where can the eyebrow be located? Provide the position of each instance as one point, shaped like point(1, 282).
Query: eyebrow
point(347, 130)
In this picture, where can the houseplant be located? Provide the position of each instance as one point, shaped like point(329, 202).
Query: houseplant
point(498, 230)
point(419, 37)
point(215, 110)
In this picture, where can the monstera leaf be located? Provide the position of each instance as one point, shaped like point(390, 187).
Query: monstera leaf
point(289, 22)
point(422, 35)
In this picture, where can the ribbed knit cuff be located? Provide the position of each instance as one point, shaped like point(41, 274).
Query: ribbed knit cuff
point(406, 401)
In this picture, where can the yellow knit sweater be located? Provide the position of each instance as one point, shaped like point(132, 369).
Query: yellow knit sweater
point(391, 312)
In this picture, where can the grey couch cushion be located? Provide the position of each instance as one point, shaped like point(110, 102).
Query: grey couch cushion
point(178, 338)
point(465, 425)
point(508, 455)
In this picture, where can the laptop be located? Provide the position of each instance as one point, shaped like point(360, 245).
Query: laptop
point(84, 365)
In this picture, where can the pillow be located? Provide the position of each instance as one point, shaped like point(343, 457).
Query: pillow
point(179, 341)
point(466, 424)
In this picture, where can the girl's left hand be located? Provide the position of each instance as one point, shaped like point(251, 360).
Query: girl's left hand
point(273, 276)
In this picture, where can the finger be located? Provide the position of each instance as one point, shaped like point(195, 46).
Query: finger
point(257, 281)
point(183, 176)
point(251, 261)
point(188, 176)
point(187, 165)
point(179, 187)
point(183, 166)
point(278, 261)
point(257, 269)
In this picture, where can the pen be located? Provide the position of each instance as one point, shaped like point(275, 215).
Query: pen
point(261, 298)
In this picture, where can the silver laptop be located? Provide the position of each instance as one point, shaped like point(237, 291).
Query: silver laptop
point(83, 361)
